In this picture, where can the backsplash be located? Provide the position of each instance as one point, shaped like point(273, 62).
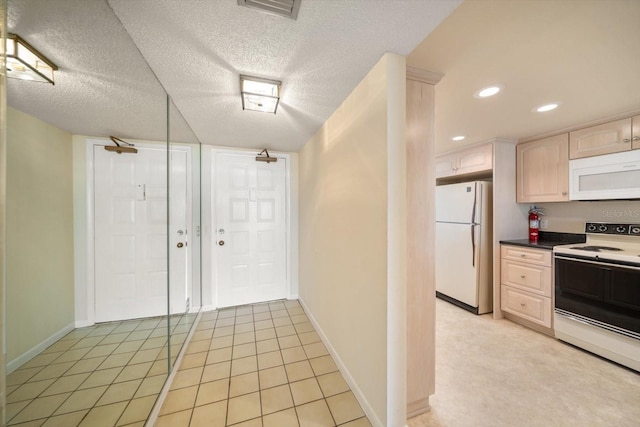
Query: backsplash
point(570, 217)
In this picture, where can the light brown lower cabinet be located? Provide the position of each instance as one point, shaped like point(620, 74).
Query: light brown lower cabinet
point(526, 291)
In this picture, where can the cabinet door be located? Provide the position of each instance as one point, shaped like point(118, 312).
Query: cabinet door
point(526, 255)
point(476, 159)
point(636, 132)
point(602, 139)
point(534, 308)
point(527, 277)
point(445, 165)
point(542, 170)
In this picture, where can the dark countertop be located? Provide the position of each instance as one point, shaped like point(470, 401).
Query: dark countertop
point(548, 240)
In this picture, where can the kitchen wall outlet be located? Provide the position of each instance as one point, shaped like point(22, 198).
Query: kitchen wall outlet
point(544, 224)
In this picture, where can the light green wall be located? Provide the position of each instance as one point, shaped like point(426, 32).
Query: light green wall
point(40, 286)
point(351, 247)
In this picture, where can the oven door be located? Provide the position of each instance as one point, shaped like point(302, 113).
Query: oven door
point(605, 291)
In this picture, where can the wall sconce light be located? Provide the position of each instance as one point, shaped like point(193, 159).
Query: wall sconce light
point(26, 63)
point(260, 94)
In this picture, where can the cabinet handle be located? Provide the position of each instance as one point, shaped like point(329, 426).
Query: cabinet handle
point(522, 276)
point(522, 304)
point(626, 140)
point(636, 138)
point(523, 255)
point(564, 193)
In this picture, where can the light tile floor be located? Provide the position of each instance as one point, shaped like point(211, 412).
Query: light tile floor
point(106, 375)
point(259, 365)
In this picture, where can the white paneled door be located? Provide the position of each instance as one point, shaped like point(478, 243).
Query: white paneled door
point(251, 229)
point(130, 220)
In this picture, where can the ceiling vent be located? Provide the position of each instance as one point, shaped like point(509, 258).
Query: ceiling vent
point(286, 8)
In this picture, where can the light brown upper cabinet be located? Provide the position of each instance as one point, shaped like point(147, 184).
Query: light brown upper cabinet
point(606, 138)
point(472, 160)
point(542, 170)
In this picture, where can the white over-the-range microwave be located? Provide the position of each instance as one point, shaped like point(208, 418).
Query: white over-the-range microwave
point(611, 176)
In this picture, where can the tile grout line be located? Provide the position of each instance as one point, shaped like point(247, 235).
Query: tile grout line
point(155, 410)
point(315, 376)
point(70, 393)
point(92, 372)
point(233, 340)
point(113, 330)
point(186, 346)
point(297, 334)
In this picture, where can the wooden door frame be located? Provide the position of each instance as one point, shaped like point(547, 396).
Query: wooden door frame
point(89, 258)
point(209, 284)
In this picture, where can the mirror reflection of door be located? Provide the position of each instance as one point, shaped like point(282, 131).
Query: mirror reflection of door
point(130, 220)
point(251, 229)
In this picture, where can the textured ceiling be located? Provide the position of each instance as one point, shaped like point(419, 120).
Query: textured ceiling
point(103, 86)
point(197, 49)
point(583, 54)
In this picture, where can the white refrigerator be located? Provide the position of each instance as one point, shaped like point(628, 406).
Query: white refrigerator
point(464, 270)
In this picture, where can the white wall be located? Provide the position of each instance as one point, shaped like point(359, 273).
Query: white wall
point(352, 238)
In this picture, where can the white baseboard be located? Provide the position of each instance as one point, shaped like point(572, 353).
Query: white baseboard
point(207, 308)
point(194, 310)
point(366, 406)
point(83, 323)
point(39, 348)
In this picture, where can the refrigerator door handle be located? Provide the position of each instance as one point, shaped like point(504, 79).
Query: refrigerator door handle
point(473, 245)
point(475, 200)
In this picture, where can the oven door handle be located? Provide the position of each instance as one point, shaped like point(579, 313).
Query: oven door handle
point(588, 261)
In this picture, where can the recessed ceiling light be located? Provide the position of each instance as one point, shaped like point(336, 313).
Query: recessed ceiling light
point(457, 138)
point(488, 91)
point(547, 107)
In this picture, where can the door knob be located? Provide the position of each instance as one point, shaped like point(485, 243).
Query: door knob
point(221, 242)
point(180, 244)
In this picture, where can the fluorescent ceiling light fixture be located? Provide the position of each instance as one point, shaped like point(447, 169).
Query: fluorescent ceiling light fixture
point(547, 107)
point(260, 94)
point(25, 63)
point(457, 138)
point(488, 91)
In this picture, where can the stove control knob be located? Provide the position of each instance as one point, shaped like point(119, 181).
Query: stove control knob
point(602, 228)
point(591, 227)
point(634, 230)
point(621, 229)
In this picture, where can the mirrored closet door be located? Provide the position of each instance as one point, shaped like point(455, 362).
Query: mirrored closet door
point(102, 222)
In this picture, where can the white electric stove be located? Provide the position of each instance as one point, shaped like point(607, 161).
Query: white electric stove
point(615, 242)
point(597, 292)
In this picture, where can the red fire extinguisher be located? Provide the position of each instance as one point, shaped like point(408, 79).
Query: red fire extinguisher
point(534, 223)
